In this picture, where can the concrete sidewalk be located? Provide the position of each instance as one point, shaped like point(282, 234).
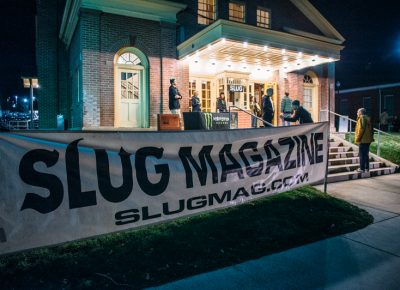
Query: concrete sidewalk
point(366, 259)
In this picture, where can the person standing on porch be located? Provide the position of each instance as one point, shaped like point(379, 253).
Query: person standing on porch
point(286, 108)
point(174, 98)
point(364, 136)
point(221, 103)
point(267, 109)
point(255, 110)
point(196, 104)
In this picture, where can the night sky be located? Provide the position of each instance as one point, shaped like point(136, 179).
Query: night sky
point(371, 56)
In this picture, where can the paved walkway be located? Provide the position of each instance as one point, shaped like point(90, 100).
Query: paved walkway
point(366, 259)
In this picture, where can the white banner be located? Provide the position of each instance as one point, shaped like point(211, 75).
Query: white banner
point(59, 187)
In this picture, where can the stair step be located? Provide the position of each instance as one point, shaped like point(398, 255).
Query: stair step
point(340, 149)
point(346, 161)
point(335, 144)
point(352, 167)
point(349, 154)
point(342, 161)
point(343, 176)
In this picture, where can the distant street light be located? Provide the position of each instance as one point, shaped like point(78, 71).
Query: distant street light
point(31, 83)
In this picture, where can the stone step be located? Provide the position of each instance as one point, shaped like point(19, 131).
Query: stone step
point(343, 176)
point(335, 144)
point(340, 149)
point(352, 167)
point(342, 161)
point(336, 155)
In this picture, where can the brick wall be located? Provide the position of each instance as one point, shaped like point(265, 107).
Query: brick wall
point(283, 14)
point(102, 37)
point(91, 67)
point(46, 58)
point(75, 81)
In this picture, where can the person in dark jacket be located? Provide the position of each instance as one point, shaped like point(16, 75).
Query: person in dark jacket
point(221, 103)
point(300, 114)
point(174, 98)
point(267, 108)
point(196, 104)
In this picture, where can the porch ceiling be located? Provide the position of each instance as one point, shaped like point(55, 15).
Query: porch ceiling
point(227, 45)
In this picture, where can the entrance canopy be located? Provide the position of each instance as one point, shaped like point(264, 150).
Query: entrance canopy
point(231, 46)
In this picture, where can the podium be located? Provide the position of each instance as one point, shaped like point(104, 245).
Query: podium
point(168, 122)
point(210, 121)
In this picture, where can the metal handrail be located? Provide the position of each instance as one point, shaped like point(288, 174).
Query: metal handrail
point(258, 118)
point(377, 130)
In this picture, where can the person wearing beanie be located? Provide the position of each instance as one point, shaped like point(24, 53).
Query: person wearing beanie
point(174, 97)
point(364, 136)
point(286, 108)
point(300, 114)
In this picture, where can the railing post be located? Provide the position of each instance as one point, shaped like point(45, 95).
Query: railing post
point(350, 130)
point(379, 143)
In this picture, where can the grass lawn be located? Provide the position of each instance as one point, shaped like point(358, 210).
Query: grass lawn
point(158, 254)
point(390, 147)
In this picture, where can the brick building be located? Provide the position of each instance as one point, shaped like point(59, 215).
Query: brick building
point(373, 98)
point(107, 64)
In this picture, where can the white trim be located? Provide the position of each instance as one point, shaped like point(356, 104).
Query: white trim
point(235, 31)
point(311, 35)
point(369, 88)
point(156, 10)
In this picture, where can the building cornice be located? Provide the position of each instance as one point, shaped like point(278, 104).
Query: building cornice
point(259, 36)
point(156, 10)
point(311, 35)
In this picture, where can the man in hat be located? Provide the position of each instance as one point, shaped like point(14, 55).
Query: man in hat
point(174, 98)
point(300, 114)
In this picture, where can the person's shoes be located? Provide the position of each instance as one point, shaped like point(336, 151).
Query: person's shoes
point(359, 170)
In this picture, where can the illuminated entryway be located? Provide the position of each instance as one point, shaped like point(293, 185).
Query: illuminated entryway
point(131, 97)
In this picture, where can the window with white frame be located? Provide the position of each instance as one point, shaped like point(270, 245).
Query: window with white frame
point(206, 12)
point(128, 58)
point(263, 17)
point(237, 11)
point(307, 92)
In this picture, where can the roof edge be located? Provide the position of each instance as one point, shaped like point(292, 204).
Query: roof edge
point(317, 19)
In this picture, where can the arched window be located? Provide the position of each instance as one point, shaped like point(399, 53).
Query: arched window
point(307, 79)
point(131, 89)
point(129, 58)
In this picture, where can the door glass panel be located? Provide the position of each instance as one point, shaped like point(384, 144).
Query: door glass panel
point(123, 86)
point(307, 99)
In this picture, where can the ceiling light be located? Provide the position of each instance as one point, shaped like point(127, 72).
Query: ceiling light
point(283, 51)
point(245, 44)
point(265, 48)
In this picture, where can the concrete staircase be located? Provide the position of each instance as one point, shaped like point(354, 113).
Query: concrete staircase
point(343, 162)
